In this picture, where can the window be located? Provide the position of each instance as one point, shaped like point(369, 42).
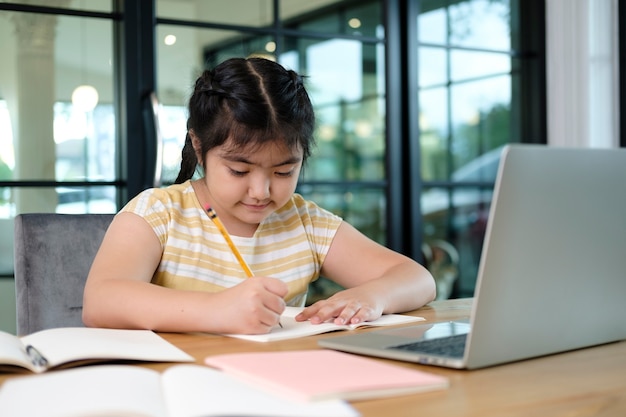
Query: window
point(412, 99)
point(470, 103)
point(347, 172)
point(57, 113)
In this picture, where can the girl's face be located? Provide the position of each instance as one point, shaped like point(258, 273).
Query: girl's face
point(247, 184)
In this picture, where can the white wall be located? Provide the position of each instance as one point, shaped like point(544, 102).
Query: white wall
point(582, 73)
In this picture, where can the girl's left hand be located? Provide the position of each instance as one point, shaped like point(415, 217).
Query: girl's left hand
point(349, 306)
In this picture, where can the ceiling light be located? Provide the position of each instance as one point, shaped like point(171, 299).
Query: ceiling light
point(270, 46)
point(354, 23)
point(85, 98)
point(169, 40)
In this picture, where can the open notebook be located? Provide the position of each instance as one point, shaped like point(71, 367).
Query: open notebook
point(289, 328)
point(552, 274)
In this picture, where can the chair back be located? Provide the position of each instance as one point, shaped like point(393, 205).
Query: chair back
point(53, 254)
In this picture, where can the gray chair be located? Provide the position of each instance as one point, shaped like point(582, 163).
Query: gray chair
point(53, 255)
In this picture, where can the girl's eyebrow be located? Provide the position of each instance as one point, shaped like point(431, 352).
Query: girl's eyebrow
point(242, 159)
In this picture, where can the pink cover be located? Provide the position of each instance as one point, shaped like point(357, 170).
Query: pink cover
point(323, 374)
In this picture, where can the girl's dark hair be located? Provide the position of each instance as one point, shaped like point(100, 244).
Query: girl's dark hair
point(251, 101)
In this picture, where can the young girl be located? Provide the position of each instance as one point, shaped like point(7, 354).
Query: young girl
point(164, 265)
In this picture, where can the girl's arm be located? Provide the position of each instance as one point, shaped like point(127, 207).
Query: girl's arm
point(377, 281)
point(118, 292)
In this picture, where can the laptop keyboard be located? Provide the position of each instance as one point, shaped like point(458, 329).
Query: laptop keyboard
point(451, 346)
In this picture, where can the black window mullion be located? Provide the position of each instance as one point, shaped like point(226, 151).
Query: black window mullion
point(395, 164)
point(135, 40)
point(412, 140)
point(532, 57)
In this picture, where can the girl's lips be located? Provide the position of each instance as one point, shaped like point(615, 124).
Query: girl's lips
point(256, 207)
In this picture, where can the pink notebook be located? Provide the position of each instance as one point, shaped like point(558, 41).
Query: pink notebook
point(309, 375)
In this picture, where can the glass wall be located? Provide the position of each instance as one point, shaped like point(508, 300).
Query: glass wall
point(347, 172)
point(58, 144)
point(468, 109)
point(469, 62)
point(70, 150)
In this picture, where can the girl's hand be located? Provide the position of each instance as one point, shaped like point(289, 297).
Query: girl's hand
point(349, 306)
point(254, 306)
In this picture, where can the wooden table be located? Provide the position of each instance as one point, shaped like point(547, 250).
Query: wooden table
point(587, 382)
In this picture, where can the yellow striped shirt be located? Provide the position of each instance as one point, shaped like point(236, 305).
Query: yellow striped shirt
point(290, 244)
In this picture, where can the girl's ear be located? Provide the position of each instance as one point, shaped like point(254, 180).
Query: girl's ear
point(197, 147)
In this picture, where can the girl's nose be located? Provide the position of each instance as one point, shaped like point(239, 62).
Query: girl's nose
point(259, 188)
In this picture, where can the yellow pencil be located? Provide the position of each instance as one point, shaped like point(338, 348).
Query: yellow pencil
point(213, 216)
point(216, 220)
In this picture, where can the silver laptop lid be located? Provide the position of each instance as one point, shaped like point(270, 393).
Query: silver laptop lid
point(552, 275)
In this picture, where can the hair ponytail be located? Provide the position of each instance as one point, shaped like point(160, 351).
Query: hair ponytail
point(188, 163)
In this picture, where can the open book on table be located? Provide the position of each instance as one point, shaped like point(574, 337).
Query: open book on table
point(312, 375)
point(124, 390)
point(69, 346)
point(292, 329)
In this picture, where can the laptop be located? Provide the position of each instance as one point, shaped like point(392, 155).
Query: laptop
point(552, 273)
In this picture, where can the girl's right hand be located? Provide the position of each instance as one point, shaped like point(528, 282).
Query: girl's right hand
point(254, 306)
